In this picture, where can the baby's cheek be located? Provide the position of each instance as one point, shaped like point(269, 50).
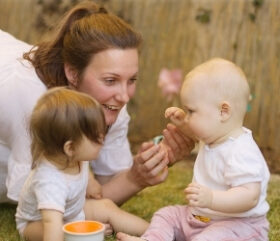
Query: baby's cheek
point(191, 128)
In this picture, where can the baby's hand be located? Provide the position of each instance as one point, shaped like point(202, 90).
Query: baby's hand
point(176, 115)
point(199, 196)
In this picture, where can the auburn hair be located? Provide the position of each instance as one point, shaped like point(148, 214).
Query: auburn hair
point(84, 31)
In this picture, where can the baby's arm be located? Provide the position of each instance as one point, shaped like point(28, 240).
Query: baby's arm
point(52, 225)
point(235, 200)
point(94, 188)
point(176, 115)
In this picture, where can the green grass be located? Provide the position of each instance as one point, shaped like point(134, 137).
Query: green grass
point(145, 203)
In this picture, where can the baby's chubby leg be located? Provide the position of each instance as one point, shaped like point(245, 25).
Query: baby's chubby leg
point(106, 211)
point(166, 225)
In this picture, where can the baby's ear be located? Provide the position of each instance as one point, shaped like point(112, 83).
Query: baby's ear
point(225, 110)
point(68, 148)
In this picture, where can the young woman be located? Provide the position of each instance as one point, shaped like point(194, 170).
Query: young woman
point(94, 52)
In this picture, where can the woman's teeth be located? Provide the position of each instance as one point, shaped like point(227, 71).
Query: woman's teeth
point(111, 107)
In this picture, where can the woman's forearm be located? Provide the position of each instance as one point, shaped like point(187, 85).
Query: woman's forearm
point(148, 169)
point(121, 187)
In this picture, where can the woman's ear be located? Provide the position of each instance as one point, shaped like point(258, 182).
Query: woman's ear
point(225, 109)
point(69, 148)
point(71, 75)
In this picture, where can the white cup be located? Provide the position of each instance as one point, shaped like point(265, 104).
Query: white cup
point(84, 231)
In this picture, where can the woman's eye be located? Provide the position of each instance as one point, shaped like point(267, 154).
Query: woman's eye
point(110, 81)
point(132, 80)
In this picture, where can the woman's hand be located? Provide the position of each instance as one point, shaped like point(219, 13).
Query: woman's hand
point(149, 166)
point(176, 144)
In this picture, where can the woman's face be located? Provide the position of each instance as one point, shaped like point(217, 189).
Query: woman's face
point(111, 78)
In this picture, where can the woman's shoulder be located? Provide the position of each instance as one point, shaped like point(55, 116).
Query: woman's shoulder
point(11, 46)
point(11, 49)
point(14, 69)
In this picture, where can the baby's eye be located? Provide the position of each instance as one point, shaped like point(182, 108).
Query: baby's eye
point(189, 111)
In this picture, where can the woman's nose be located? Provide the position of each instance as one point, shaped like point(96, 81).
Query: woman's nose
point(123, 94)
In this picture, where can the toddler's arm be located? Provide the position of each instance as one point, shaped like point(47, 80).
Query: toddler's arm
point(235, 200)
point(94, 188)
point(52, 225)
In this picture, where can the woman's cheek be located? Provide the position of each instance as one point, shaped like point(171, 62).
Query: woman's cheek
point(131, 90)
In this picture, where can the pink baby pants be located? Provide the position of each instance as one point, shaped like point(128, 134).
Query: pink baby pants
point(178, 223)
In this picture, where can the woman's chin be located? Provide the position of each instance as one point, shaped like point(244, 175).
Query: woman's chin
point(110, 119)
point(110, 115)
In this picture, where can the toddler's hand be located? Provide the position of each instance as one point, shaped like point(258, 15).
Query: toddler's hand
point(94, 189)
point(108, 229)
point(199, 196)
point(176, 115)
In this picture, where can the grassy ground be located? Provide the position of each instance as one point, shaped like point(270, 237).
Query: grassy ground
point(151, 199)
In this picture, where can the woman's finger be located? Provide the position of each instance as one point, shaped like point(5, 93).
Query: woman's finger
point(155, 161)
point(145, 153)
point(178, 137)
point(171, 157)
point(159, 175)
point(179, 144)
point(145, 146)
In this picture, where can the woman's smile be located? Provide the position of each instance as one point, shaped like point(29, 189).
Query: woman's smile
point(110, 78)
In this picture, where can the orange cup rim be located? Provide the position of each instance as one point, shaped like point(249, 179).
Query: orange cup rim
point(84, 233)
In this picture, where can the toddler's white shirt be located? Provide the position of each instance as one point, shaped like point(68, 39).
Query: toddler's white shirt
point(235, 162)
point(47, 187)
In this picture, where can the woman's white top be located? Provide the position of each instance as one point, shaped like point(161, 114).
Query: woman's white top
point(235, 162)
point(20, 88)
point(47, 187)
point(115, 155)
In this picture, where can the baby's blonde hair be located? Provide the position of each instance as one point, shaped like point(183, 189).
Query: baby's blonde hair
point(225, 80)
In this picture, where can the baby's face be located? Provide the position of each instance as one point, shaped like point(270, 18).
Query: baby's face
point(202, 109)
point(87, 150)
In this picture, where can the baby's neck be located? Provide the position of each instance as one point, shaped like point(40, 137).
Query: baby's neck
point(236, 132)
point(71, 168)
